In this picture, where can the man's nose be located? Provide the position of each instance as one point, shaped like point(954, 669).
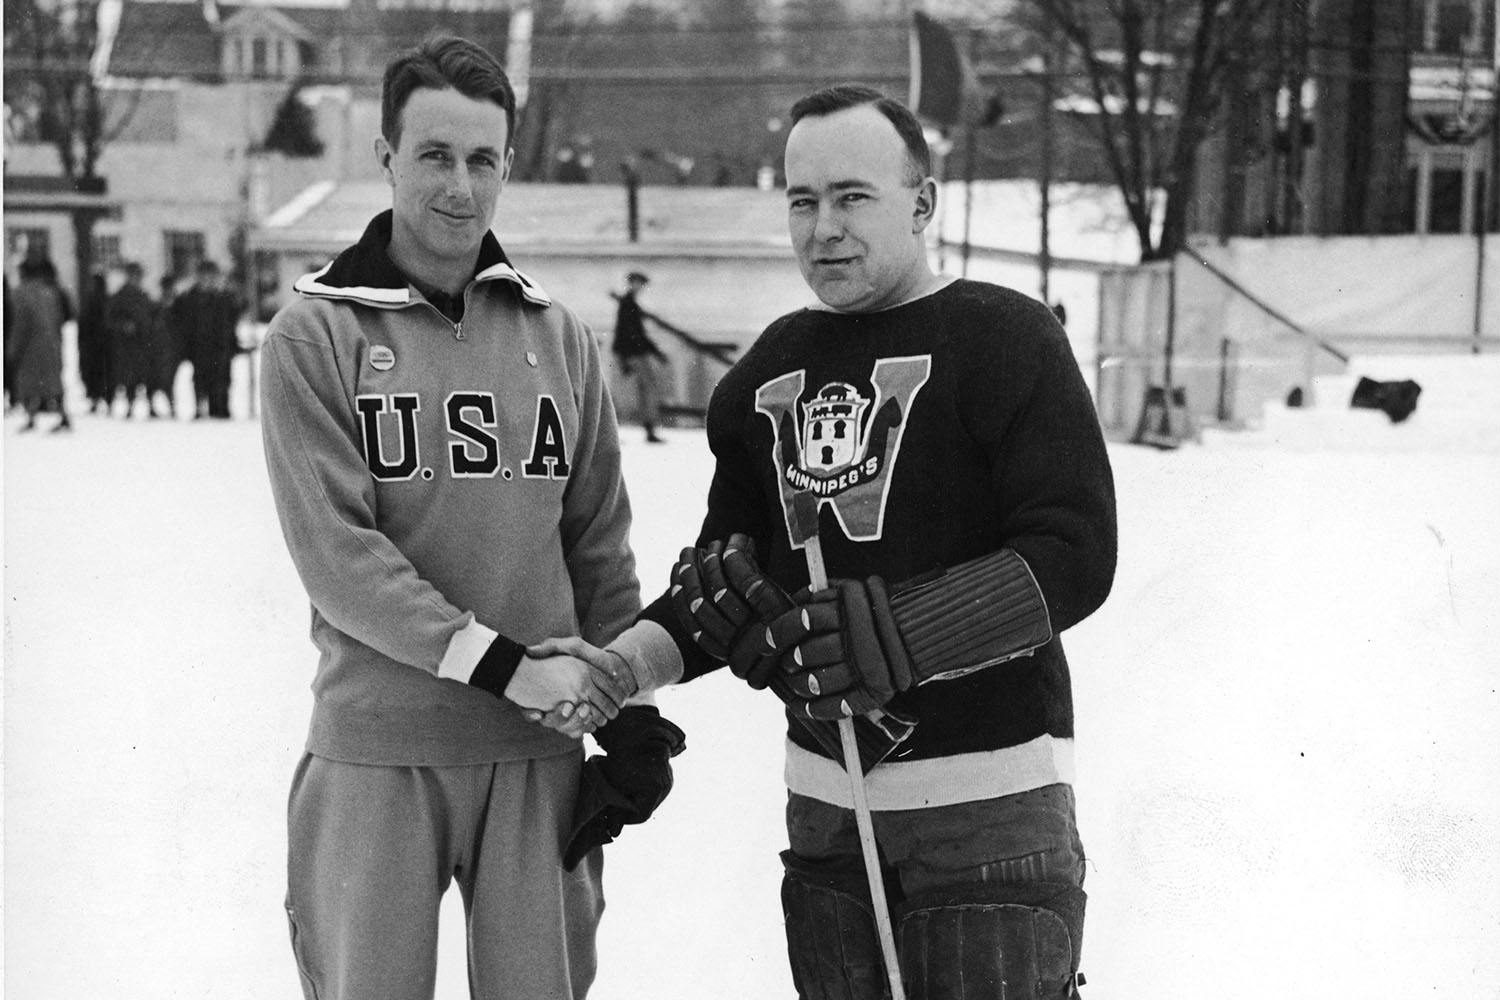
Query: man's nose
point(830, 224)
point(460, 184)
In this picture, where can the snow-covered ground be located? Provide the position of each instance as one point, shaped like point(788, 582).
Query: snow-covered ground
point(1288, 750)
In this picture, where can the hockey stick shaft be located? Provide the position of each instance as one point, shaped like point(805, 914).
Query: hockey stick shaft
point(806, 515)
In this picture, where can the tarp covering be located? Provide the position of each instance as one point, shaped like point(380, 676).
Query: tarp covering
point(1256, 319)
point(1401, 292)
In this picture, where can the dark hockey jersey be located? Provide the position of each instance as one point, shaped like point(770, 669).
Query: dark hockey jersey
point(933, 433)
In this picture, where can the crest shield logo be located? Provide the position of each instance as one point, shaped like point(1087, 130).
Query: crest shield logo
point(832, 428)
point(846, 445)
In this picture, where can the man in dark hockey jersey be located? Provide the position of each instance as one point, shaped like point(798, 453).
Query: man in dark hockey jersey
point(965, 509)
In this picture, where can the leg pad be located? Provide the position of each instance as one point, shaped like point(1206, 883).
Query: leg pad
point(990, 943)
point(831, 938)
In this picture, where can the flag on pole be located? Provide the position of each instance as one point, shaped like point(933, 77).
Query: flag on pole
point(944, 87)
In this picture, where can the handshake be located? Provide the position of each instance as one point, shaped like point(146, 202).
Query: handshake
point(829, 655)
point(571, 685)
point(575, 688)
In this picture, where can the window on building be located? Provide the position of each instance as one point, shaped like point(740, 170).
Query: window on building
point(1453, 26)
point(1445, 204)
point(1412, 205)
point(107, 252)
point(1447, 188)
point(259, 58)
point(183, 252)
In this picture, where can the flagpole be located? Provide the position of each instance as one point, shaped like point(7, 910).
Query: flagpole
point(971, 146)
point(1045, 256)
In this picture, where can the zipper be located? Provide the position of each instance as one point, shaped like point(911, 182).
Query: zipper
point(458, 327)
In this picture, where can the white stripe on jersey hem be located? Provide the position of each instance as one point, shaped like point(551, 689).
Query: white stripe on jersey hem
point(941, 781)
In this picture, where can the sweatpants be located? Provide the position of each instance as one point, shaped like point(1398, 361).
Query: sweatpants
point(373, 848)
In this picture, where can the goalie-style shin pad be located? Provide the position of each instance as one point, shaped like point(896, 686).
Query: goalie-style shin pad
point(990, 943)
point(831, 938)
point(974, 615)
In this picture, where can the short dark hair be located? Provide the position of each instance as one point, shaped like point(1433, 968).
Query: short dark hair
point(444, 62)
point(852, 95)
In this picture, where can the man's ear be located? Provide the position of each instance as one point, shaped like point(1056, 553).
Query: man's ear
point(924, 205)
point(383, 153)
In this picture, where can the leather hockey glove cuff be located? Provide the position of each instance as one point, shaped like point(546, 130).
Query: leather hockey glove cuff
point(864, 644)
point(975, 615)
point(626, 784)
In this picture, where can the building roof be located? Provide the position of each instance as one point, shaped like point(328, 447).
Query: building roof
point(352, 42)
point(726, 221)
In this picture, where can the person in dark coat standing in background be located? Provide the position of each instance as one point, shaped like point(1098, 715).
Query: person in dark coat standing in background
point(129, 319)
point(33, 356)
point(641, 361)
point(94, 362)
point(207, 314)
point(10, 397)
point(161, 355)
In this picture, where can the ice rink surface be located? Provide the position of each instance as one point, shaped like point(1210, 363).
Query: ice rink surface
point(1288, 731)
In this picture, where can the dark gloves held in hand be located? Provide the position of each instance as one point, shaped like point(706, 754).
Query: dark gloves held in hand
point(850, 658)
point(627, 783)
point(865, 642)
point(850, 648)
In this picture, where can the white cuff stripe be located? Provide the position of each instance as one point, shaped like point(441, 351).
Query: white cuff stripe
point(941, 781)
point(465, 650)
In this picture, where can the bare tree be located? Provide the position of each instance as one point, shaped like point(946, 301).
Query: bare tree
point(1154, 76)
point(52, 91)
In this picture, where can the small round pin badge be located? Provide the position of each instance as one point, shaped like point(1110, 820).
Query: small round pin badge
point(531, 358)
point(382, 359)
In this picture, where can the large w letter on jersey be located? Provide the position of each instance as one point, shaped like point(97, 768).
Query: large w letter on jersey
point(844, 447)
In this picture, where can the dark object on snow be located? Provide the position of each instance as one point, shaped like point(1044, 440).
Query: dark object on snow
point(1165, 422)
point(1294, 398)
point(1397, 399)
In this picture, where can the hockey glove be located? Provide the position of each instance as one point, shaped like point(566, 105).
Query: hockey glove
point(723, 600)
point(626, 784)
point(862, 644)
point(755, 644)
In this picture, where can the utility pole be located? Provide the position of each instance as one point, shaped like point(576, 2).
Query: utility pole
point(630, 167)
point(1049, 96)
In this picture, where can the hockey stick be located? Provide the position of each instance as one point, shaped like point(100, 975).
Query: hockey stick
point(805, 518)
